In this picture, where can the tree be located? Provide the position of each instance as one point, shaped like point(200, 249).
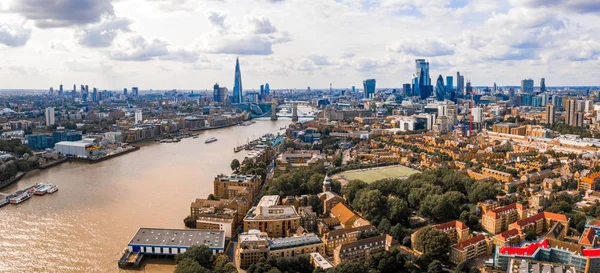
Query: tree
point(199, 253)
point(433, 242)
point(371, 203)
point(316, 204)
point(189, 265)
point(384, 226)
point(222, 265)
point(435, 267)
point(398, 232)
point(577, 221)
point(235, 164)
point(189, 222)
point(530, 235)
point(398, 211)
point(212, 197)
point(481, 191)
point(349, 190)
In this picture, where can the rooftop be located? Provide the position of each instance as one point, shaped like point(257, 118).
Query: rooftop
point(320, 260)
point(179, 237)
point(475, 240)
point(290, 242)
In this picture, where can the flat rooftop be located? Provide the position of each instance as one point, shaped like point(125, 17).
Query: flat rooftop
point(214, 239)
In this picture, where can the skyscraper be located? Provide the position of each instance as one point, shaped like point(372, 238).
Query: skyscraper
point(570, 118)
point(527, 86)
point(543, 85)
point(421, 80)
point(369, 88)
point(51, 91)
point(449, 84)
point(440, 89)
point(125, 91)
point(237, 84)
point(262, 91)
point(407, 90)
point(134, 91)
point(50, 116)
point(550, 113)
point(460, 83)
point(60, 89)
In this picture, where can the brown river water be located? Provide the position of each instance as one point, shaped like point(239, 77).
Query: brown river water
point(85, 226)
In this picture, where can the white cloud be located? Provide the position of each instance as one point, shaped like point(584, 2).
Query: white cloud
point(14, 35)
point(103, 34)
point(423, 47)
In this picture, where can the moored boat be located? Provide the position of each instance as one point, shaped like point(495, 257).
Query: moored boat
point(212, 139)
point(3, 201)
point(41, 189)
point(52, 189)
point(20, 198)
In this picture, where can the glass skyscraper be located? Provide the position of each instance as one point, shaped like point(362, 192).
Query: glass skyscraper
point(237, 85)
point(440, 89)
point(369, 88)
point(421, 80)
point(527, 86)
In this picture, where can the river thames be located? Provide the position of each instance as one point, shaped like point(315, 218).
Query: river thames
point(85, 226)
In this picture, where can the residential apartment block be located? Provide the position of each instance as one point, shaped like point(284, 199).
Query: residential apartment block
point(359, 250)
point(337, 237)
point(270, 217)
point(497, 220)
point(470, 249)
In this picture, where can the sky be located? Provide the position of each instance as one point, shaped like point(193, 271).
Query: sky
point(192, 44)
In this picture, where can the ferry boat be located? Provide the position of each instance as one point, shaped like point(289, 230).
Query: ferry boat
point(3, 201)
point(20, 198)
point(52, 189)
point(210, 140)
point(41, 189)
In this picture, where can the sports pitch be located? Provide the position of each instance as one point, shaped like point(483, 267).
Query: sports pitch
point(374, 174)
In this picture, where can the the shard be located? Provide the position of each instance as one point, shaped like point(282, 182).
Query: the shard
point(237, 85)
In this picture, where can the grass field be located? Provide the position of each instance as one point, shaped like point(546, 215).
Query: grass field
point(373, 175)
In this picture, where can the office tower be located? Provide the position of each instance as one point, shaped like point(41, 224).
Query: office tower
point(60, 88)
point(440, 89)
point(460, 83)
point(308, 89)
point(557, 101)
point(353, 89)
point(550, 113)
point(87, 88)
point(477, 113)
point(468, 88)
point(138, 116)
point(237, 84)
point(51, 91)
point(449, 84)
point(262, 91)
point(50, 116)
point(570, 118)
point(421, 80)
point(125, 91)
point(267, 89)
point(216, 97)
point(545, 99)
point(369, 88)
point(135, 91)
point(407, 90)
point(527, 86)
point(495, 88)
point(543, 85)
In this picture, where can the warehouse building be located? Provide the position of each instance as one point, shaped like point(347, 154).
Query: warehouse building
point(149, 241)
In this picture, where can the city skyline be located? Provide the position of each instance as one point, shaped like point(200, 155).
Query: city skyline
point(113, 44)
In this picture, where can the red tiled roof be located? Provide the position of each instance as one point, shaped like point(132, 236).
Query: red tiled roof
point(588, 237)
point(539, 216)
point(524, 251)
point(594, 222)
point(455, 224)
point(493, 213)
point(595, 252)
point(508, 234)
point(555, 216)
point(466, 243)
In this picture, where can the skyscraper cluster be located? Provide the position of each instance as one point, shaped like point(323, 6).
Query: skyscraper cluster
point(421, 82)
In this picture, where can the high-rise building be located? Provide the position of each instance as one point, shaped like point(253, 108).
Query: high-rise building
point(134, 91)
point(407, 90)
point(237, 84)
point(138, 116)
point(549, 113)
point(527, 86)
point(477, 113)
point(440, 89)
point(557, 101)
point(421, 80)
point(460, 83)
point(369, 88)
point(543, 85)
point(468, 88)
point(50, 116)
point(570, 118)
point(51, 91)
point(262, 91)
point(495, 88)
point(267, 89)
point(60, 88)
point(449, 84)
point(125, 91)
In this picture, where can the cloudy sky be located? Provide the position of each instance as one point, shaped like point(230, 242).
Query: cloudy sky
point(191, 44)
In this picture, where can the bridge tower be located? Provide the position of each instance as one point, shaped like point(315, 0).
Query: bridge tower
point(273, 109)
point(295, 111)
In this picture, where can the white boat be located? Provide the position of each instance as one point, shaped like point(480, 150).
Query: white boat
point(212, 139)
point(20, 198)
point(52, 189)
point(3, 201)
point(41, 189)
